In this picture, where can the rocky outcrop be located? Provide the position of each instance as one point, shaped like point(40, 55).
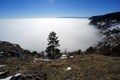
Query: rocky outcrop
point(9, 49)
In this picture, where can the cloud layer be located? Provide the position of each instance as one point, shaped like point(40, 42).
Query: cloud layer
point(32, 34)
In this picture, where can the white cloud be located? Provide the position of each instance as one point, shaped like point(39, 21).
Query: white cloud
point(32, 34)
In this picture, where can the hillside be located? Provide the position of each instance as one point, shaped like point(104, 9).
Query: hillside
point(105, 21)
point(10, 49)
point(83, 67)
point(109, 24)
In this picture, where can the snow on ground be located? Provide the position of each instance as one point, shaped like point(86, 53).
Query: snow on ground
point(68, 68)
point(2, 66)
point(1, 73)
point(37, 59)
point(8, 78)
point(114, 27)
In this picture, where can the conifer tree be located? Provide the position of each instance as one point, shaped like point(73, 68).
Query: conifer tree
point(52, 50)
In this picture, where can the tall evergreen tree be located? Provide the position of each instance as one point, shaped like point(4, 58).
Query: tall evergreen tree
point(52, 51)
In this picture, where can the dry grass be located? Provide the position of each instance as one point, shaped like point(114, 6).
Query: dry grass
point(87, 67)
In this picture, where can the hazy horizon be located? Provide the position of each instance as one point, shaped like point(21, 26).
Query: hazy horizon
point(32, 34)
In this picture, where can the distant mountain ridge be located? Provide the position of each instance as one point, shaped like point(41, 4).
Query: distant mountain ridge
point(105, 21)
point(72, 17)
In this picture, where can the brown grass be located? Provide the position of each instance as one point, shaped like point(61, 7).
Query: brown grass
point(87, 67)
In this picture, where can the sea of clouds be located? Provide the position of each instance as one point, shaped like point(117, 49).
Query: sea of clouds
point(32, 34)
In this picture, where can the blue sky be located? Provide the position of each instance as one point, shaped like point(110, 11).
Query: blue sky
point(56, 8)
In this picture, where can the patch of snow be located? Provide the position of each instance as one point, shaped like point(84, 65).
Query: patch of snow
point(1, 73)
point(14, 45)
point(68, 68)
point(114, 27)
point(101, 23)
point(46, 59)
point(2, 66)
point(8, 78)
point(71, 56)
point(37, 59)
point(1, 52)
point(63, 56)
point(113, 20)
point(18, 74)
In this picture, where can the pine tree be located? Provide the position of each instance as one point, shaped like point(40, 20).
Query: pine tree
point(52, 51)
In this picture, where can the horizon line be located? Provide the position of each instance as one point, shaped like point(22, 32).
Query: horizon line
point(41, 17)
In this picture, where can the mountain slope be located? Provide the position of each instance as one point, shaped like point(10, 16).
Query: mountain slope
point(105, 21)
point(109, 24)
